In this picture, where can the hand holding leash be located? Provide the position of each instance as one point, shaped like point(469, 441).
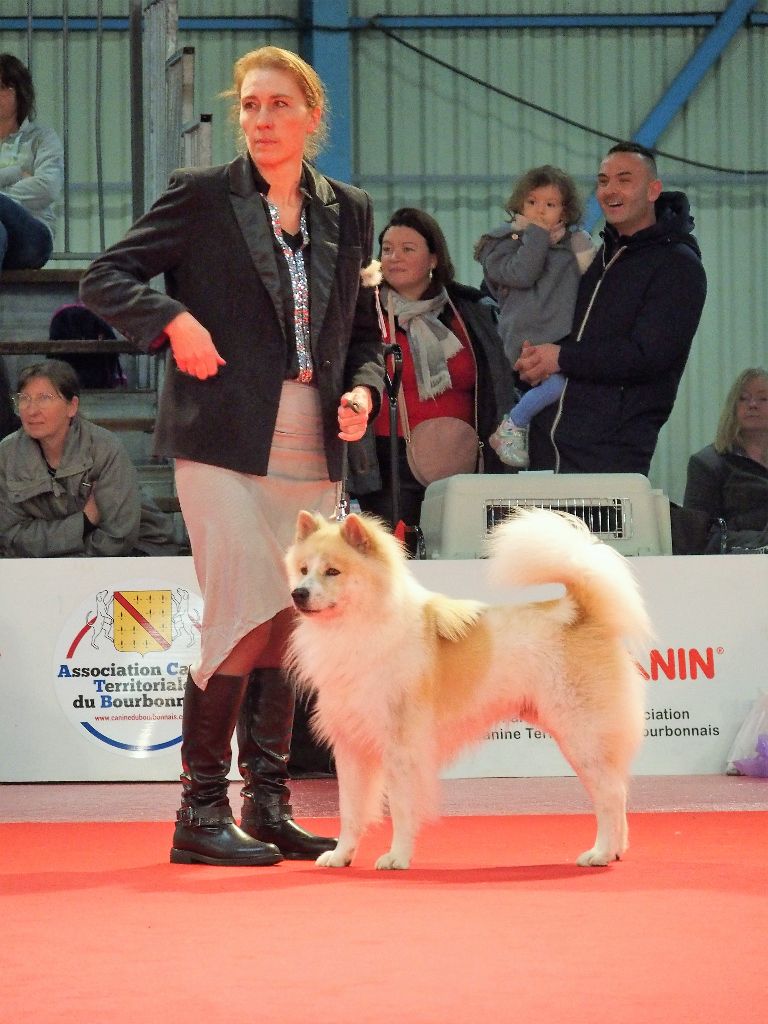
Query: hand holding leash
point(354, 408)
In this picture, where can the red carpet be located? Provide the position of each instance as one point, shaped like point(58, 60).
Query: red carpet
point(495, 924)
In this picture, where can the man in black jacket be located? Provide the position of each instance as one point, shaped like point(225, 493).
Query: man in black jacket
point(637, 311)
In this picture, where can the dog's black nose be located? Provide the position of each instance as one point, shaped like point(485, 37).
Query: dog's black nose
point(300, 597)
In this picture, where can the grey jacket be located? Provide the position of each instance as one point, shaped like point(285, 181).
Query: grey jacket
point(42, 515)
point(534, 283)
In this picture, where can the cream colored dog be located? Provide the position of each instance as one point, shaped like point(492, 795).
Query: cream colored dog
point(405, 678)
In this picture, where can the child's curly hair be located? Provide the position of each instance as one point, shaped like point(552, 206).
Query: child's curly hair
point(547, 175)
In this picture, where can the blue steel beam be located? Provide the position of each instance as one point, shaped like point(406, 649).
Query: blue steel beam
point(710, 50)
point(470, 22)
point(462, 23)
point(84, 24)
point(684, 85)
point(329, 54)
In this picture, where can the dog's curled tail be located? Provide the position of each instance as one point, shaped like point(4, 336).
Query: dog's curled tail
point(538, 546)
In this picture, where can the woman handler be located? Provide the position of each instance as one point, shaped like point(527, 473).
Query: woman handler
point(276, 363)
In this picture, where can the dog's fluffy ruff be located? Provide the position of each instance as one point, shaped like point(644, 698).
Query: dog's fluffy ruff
point(405, 678)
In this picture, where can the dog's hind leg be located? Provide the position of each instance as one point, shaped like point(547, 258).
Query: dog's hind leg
point(606, 783)
point(360, 802)
point(608, 791)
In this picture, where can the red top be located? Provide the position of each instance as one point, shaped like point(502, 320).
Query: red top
point(458, 400)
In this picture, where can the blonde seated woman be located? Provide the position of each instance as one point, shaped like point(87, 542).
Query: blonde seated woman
point(728, 480)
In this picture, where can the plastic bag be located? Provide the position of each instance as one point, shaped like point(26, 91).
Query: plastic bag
point(749, 753)
point(757, 765)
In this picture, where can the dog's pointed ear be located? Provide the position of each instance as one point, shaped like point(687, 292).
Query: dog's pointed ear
point(355, 533)
point(306, 524)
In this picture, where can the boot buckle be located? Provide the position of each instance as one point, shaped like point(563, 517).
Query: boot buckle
point(186, 816)
point(199, 817)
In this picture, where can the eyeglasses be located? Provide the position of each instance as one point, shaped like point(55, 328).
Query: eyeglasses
point(23, 401)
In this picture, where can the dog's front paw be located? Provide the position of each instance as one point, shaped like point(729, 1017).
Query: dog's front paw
point(392, 862)
point(333, 859)
point(595, 858)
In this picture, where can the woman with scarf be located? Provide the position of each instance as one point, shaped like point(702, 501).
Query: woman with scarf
point(453, 361)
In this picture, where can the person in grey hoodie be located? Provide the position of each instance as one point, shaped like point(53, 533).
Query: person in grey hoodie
point(532, 266)
point(31, 172)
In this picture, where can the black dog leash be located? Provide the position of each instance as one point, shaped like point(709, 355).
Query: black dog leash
point(342, 502)
point(392, 386)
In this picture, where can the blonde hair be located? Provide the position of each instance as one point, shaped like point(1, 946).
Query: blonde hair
point(728, 429)
point(303, 74)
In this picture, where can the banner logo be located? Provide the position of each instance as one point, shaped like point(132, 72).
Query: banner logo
point(121, 665)
point(142, 620)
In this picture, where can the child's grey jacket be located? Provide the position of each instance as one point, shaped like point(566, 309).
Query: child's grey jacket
point(534, 283)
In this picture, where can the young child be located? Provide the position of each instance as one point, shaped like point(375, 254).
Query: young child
point(532, 267)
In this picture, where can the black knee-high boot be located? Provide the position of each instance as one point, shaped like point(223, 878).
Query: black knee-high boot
point(264, 739)
point(205, 830)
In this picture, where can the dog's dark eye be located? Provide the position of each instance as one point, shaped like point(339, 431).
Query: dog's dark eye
point(303, 570)
point(330, 571)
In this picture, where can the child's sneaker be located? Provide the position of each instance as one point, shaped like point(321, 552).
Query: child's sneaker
point(500, 435)
point(513, 450)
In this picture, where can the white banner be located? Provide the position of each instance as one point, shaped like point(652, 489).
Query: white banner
point(93, 656)
point(93, 661)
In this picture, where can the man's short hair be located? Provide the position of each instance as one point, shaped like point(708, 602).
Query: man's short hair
point(648, 155)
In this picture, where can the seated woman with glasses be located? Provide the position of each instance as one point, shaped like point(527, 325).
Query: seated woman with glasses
point(67, 486)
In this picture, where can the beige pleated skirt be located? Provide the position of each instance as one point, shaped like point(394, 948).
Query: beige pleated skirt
point(240, 526)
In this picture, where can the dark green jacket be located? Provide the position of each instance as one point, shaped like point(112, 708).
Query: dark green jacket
point(42, 515)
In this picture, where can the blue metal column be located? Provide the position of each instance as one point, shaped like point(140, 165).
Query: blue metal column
point(684, 85)
point(329, 53)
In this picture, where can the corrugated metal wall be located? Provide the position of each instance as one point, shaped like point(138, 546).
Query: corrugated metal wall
point(425, 136)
